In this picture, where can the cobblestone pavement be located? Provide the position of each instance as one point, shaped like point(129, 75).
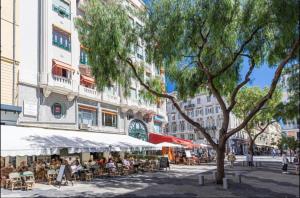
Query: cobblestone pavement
point(180, 181)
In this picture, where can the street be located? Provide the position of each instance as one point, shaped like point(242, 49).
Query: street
point(180, 181)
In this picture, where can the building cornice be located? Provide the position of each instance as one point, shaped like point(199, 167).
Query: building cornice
point(9, 60)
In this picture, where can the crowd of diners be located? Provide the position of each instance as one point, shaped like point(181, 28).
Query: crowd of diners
point(47, 171)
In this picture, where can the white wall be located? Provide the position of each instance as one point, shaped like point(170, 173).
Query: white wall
point(28, 41)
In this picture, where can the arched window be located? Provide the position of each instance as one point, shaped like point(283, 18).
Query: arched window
point(138, 130)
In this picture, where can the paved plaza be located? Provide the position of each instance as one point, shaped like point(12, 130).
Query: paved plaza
point(180, 181)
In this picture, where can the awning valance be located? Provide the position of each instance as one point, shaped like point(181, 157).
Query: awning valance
point(20, 141)
point(59, 64)
point(87, 79)
point(157, 138)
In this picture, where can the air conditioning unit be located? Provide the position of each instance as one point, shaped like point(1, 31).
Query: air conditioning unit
point(83, 126)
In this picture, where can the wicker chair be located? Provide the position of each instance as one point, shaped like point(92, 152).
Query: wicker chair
point(51, 176)
point(14, 181)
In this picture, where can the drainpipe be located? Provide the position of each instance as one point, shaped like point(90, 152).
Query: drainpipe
point(39, 54)
point(14, 51)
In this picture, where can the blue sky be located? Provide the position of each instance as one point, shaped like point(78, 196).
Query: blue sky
point(260, 77)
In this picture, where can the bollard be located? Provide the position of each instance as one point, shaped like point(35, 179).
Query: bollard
point(214, 175)
point(238, 177)
point(225, 183)
point(201, 180)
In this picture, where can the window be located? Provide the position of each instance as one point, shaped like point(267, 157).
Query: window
point(58, 110)
point(87, 115)
point(182, 136)
point(192, 113)
point(190, 127)
point(111, 90)
point(61, 39)
point(62, 8)
point(208, 98)
point(182, 125)
point(109, 119)
point(173, 116)
point(139, 52)
point(174, 127)
point(206, 111)
point(83, 57)
point(133, 93)
point(198, 100)
point(191, 136)
point(173, 107)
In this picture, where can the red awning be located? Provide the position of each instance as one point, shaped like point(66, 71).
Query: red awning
point(156, 139)
point(87, 79)
point(57, 63)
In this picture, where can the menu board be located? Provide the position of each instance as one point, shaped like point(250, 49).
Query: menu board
point(188, 153)
point(60, 173)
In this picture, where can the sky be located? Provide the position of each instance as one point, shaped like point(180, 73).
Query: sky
point(260, 77)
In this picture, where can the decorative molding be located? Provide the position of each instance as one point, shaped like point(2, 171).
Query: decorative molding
point(70, 97)
point(46, 92)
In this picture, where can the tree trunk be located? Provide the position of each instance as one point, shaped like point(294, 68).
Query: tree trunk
point(251, 149)
point(220, 163)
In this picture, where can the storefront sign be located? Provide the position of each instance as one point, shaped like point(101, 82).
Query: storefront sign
point(30, 108)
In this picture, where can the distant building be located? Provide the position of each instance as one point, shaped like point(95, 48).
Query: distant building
point(289, 127)
point(206, 110)
point(270, 137)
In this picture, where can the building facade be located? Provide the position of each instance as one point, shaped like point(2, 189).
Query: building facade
point(56, 87)
point(289, 127)
point(206, 110)
point(10, 59)
point(270, 137)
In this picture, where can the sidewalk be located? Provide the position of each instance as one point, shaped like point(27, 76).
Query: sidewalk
point(180, 181)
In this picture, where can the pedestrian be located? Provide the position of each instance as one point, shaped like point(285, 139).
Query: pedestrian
point(284, 163)
point(250, 159)
point(273, 153)
point(231, 158)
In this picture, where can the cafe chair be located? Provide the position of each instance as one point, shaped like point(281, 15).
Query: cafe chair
point(14, 181)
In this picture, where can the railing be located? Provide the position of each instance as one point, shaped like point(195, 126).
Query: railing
point(85, 91)
point(110, 98)
point(62, 81)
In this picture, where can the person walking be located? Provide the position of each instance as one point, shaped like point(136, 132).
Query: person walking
point(273, 153)
point(285, 163)
point(231, 158)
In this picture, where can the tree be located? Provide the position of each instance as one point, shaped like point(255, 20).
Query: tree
point(288, 143)
point(246, 99)
point(201, 45)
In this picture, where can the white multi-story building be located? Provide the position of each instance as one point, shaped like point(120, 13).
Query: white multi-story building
point(206, 110)
point(56, 88)
point(270, 137)
point(289, 127)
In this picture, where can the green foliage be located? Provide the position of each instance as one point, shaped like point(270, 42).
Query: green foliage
point(290, 109)
point(180, 34)
point(247, 98)
point(288, 143)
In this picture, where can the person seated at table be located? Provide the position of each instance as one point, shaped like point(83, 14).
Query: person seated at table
point(79, 168)
point(111, 165)
point(126, 163)
point(23, 167)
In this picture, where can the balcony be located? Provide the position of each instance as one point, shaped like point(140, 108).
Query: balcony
point(90, 93)
point(189, 106)
point(62, 82)
point(110, 98)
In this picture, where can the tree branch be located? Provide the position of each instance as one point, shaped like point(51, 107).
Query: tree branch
point(173, 100)
point(237, 53)
point(239, 86)
point(264, 99)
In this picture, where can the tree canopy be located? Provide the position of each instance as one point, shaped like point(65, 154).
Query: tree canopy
point(247, 98)
point(201, 45)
